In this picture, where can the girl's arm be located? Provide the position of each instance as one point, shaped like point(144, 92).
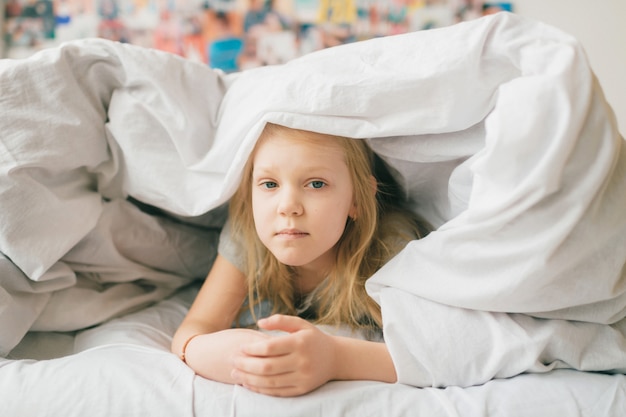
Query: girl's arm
point(205, 334)
point(307, 358)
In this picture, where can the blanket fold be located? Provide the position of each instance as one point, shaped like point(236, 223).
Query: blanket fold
point(83, 127)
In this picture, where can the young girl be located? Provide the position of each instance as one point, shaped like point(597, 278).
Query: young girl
point(314, 216)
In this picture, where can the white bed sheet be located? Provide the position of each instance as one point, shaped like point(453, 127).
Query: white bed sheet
point(124, 368)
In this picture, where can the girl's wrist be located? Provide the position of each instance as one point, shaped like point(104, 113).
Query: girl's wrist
point(183, 351)
point(363, 360)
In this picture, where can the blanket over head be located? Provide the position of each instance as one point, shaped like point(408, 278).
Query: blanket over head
point(497, 129)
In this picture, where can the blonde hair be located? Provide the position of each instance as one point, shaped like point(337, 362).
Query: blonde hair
point(380, 229)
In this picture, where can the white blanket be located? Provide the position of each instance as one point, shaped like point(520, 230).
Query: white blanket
point(124, 368)
point(497, 128)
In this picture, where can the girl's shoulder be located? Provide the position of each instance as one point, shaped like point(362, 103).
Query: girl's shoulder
point(231, 247)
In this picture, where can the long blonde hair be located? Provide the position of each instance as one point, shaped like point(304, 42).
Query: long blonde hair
point(380, 230)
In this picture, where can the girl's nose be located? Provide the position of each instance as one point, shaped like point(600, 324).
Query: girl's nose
point(289, 204)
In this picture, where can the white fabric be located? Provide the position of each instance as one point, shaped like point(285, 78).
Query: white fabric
point(82, 127)
point(497, 128)
point(124, 368)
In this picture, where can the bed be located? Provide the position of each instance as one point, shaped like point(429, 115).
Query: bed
point(117, 164)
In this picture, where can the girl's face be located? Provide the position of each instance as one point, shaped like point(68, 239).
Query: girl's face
point(302, 196)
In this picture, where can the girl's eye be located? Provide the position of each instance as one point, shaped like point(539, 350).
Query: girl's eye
point(317, 184)
point(269, 184)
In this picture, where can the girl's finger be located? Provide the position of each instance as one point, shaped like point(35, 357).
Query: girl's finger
point(275, 346)
point(285, 323)
point(263, 382)
point(263, 366)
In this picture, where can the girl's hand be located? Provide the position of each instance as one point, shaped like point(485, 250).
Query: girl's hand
point(288, 365)
point(211, 355)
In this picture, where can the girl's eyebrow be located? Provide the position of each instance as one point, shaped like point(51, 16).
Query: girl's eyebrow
point(270, 169)
point(260, 171)
point(263, 167)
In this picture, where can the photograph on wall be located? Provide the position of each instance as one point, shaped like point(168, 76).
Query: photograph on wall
point(28, 23)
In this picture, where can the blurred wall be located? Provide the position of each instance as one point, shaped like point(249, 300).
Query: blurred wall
point(1, 26)
point(600, 25)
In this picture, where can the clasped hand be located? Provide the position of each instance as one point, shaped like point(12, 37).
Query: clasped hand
point(286, 365)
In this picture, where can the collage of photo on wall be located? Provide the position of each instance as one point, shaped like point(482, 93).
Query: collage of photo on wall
point(230, 35)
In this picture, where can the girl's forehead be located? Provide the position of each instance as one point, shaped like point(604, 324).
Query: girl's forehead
point(314, 144)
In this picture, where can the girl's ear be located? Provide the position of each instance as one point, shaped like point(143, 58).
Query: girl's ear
point(353, 213)
point(374, 184)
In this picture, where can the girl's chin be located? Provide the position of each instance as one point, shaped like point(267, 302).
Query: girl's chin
point(303, 258)
point(290, 260)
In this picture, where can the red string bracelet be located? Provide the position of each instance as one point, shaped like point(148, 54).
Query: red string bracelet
point(184, 349)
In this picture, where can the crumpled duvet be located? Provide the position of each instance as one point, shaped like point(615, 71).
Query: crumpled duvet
point(497, 128)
